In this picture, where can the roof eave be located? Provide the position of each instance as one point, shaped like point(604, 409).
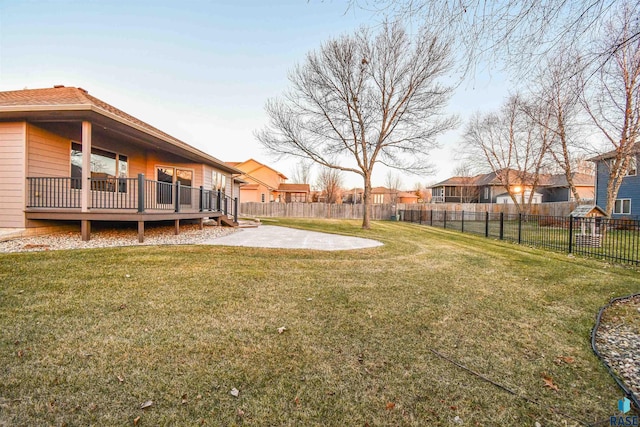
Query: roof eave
point(86, 108)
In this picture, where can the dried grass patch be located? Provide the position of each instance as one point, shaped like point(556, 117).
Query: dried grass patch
point(89, 336)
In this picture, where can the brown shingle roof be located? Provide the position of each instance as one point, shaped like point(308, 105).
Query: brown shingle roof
point(407, 195)
point(78, 99)
point(459, 181)
point(294, 188)
point(61, 96)
point(560, 180)
point(610, 154)
point(544, 180)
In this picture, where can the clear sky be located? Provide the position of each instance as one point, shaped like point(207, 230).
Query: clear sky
point(198, 70)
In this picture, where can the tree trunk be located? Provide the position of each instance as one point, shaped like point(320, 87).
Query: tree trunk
point(366, 218)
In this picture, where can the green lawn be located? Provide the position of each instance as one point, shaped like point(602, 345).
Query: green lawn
point(88, 336)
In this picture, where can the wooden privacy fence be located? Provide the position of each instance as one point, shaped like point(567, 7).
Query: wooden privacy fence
point(389, 211)
point(315, 210)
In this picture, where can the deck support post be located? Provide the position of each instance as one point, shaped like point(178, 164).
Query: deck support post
point(201, 223)
point(177, 231)
point(85, 230)
point(140, 231)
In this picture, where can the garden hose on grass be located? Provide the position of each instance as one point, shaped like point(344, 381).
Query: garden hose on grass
point(508, 390)
point(628, 393)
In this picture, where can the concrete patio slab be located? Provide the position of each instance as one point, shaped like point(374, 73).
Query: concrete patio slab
point(271, 236)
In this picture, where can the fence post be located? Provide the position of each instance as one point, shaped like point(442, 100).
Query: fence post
point(218, 203)
point(445, 219)
point(486, 224)
point(501, 225)
point(140, 193)
point(431, 218)
point(177, 201)
point(462, 225)
point(519, 228)
point(201, 198)
point(570, 233)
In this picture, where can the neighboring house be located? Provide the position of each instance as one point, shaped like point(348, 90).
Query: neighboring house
point(321, 196)
point(488, 188)
point(265, 184)
point(457, 189)
point(379, 195)
point(555, 188)
point(406, 197)
point(506, 199)
point(627, 201)
point(353, 196)
point(383, 195)
point(294, 193)
point(134, 172)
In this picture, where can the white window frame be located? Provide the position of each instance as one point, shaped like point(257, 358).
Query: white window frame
point(618, 207)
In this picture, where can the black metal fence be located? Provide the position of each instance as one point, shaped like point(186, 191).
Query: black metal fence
point(615, 240)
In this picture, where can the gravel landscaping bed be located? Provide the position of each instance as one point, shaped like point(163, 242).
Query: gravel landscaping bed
point(618, 341)
point(190, 234)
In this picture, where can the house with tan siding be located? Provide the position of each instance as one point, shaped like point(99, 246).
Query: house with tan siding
point(134, 172)
point(265, 184)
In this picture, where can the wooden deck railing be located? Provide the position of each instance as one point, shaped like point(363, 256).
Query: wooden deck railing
point(140, 194)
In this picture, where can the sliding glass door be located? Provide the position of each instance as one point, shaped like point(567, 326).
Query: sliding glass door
point(167, 177)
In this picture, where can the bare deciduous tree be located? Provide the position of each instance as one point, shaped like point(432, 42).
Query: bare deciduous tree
point(614, 105)
point(512, 146)
point(330, 184)
point(364, 99)
point(469, 192)
point(558, 86)
point(302, 172)
point(422, 191)
point(393, 182)
point(514, 32)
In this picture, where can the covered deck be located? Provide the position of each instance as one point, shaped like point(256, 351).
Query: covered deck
point(72, 157)
point(137, 200)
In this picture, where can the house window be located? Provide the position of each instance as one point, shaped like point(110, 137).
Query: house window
point(167, 177)
point(486, 193)
point(262, 198)
point(219, 181)
point(452, 192)
point(108, 169)
point(622, 207)
point(378, 198)
point(632, 170)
